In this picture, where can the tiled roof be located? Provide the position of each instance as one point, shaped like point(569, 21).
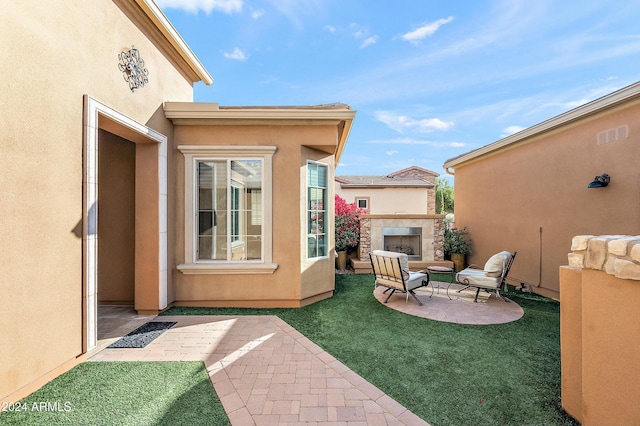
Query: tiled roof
point(381, 181)
point(411, 177)
point(415, 171)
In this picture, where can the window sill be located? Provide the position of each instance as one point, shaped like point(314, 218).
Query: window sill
point(227, 268)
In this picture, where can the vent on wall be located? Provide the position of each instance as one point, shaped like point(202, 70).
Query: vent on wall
point(613, 135)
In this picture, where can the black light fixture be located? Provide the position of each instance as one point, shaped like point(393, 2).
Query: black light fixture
point(600, 181)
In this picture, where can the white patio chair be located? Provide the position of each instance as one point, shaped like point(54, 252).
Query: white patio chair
point(391, 270)
point(492, 277)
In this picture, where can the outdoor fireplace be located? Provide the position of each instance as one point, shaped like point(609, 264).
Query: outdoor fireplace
point(406, 240)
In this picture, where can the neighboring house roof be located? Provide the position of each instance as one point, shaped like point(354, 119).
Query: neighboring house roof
point(200, 113)
point(415, 171)
point(173, 41)
point(411, 177)
point(599, 105)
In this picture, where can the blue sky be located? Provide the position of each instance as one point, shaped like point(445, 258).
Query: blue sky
point(430, 79)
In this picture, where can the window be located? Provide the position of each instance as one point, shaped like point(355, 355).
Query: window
point(238, 214)
point(316, 210)
point(362, 203)
point(223, 192)
point(227, 209)
point(256, 207)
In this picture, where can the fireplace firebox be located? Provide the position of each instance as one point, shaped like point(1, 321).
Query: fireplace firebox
point(406, 240)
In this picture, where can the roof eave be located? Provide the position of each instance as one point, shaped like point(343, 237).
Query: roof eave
point(343, 135)
point(199, 113)
point(153, 12)
point(212, 113)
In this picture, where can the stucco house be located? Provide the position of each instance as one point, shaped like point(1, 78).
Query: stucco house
point(529, 192)
point(118, 189)
point(410, 190)
point(399, 216)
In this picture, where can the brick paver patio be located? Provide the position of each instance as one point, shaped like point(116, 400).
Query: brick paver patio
point(266, 372)
point(455, 307)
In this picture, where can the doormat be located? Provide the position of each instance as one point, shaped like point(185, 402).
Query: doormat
point(143, 335)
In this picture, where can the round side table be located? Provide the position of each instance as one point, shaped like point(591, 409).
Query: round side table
point(442, 270)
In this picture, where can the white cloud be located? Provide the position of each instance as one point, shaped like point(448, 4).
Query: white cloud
point(207, 6)
point(575, 103)
point(558, 103)
point(296, 11)
point(425, 30)
point(360, 33)
point(330, 28)
point(257, 14)
point(391, 152)
point(411, 141)
point(237, 54)
point(507, 131)
point(401, 123)
point(369, 41)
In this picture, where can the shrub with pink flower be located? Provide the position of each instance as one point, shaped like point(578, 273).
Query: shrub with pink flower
point(347, 225)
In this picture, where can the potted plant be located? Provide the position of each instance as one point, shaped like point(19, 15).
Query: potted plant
point(457, 246)
point(347, 227)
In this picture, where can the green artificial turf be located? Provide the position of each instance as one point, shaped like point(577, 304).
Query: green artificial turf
point(448, 374)
point(123, 393)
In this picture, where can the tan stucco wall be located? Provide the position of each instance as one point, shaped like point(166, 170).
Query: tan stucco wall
point(388, 200)
point(571, 339)
point(284, 287)
point(536, 193)
point(61, 52)
point(147, 244)
point(116, 225)
point(599, 329)
point(610, 348)
point(599, 343)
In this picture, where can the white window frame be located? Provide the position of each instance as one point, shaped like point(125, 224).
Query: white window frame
point(327, 221)
point(193, 154)
point(237, 189)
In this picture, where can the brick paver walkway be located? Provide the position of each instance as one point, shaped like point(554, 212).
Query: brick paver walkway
point(267, 373)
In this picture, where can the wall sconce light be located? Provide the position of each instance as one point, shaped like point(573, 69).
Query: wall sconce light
point(600, 181)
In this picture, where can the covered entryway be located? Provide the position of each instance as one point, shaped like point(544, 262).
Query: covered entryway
point(116, 221)
point(128, 265)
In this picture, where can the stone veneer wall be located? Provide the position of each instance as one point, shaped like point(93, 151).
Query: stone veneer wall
point(617, 255)
point(600, 330)
point(431, 200)
point(432, 233)
point(365, 238)
point(438, 237)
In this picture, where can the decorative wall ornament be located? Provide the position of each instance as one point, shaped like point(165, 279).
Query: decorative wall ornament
point(132, 67)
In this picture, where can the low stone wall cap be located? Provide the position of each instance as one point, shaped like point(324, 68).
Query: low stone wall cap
point(617, 255)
